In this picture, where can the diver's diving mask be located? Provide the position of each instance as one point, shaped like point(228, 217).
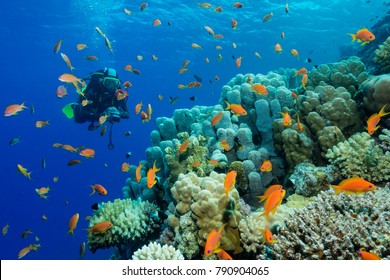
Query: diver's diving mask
point(111, 82)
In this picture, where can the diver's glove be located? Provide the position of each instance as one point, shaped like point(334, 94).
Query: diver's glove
point(113, 114)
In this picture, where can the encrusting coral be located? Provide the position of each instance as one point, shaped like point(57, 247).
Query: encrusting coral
point(154, 251)
point(132, 221)
point(361, 156)
point(335, 227)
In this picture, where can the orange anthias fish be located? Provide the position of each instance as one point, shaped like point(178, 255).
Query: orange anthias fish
point(222, 255)
point(100, 228)
point(238, 5)
point(40, 124)
point(234, 23)
point(24, 171)
point(4, 230)
point(14, 109)
point(61, 91)
point(368, 256)
point(278, 48)
point(354, 185)
point(269, 191)
point(68, 78)
point(295, 53)
point(138, 108)
point(238, 62)
point(196, 46)
point(268, 237)
point(224, 145)
point(125, 167)
point(138, 172)
point(267, 17)
point(301, 71)
point(300, 127)
point(266, 166)
point(156, 22)
point(212, 241)
point(151, 176)
point(67, 61)
point(374, 120)
point(259, 89)
point(236, 109)
point(99, 189)
point(88, 153)
point(272, 202)
point(73, 223)
point(183, 147)
point(286, 119)
point(81, 47)
point(363, 35)
point(42, 192)
point(217, 118)
point(230, 181)
point(304, 81)
point(57, 46)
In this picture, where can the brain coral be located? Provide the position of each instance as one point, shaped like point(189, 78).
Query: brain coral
point(361, 156)
point(154, 251)
point(335, 227)
point(132, 220)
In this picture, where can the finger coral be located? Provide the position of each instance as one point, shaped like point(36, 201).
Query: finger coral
point(155, 251)
point(335, 227)
point(132, 221)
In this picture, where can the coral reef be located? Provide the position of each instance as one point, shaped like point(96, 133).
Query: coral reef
point(132, 221)
point(382, 57)
point(376, 93)
point(154, 251)
point(309, 180)
point(348, 73)
point(381, 29)
point(251, 227)
point(210, 207)
point(361, 156)
point(335, 227)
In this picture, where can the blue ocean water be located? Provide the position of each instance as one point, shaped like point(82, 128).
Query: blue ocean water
point(29, 73)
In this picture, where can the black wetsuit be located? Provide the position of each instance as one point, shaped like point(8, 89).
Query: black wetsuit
point(99, 100)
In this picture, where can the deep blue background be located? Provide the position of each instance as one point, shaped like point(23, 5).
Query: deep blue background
point(29, 73)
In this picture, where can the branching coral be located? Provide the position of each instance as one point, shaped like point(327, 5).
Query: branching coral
point(361, 156)
point(154, 251)
point(335, 227)
point(132, 220)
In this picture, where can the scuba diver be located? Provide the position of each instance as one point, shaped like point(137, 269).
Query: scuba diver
point(102, 97)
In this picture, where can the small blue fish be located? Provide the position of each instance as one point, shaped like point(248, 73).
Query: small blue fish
point(15, 140)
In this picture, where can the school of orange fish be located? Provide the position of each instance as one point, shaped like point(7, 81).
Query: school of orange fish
point(272, 197)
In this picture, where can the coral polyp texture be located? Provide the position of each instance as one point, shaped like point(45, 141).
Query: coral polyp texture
point(361, 156)
point(133, 221)
point(335, 227)
point(154, 251)
point(382, 57)
point(209, 205)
